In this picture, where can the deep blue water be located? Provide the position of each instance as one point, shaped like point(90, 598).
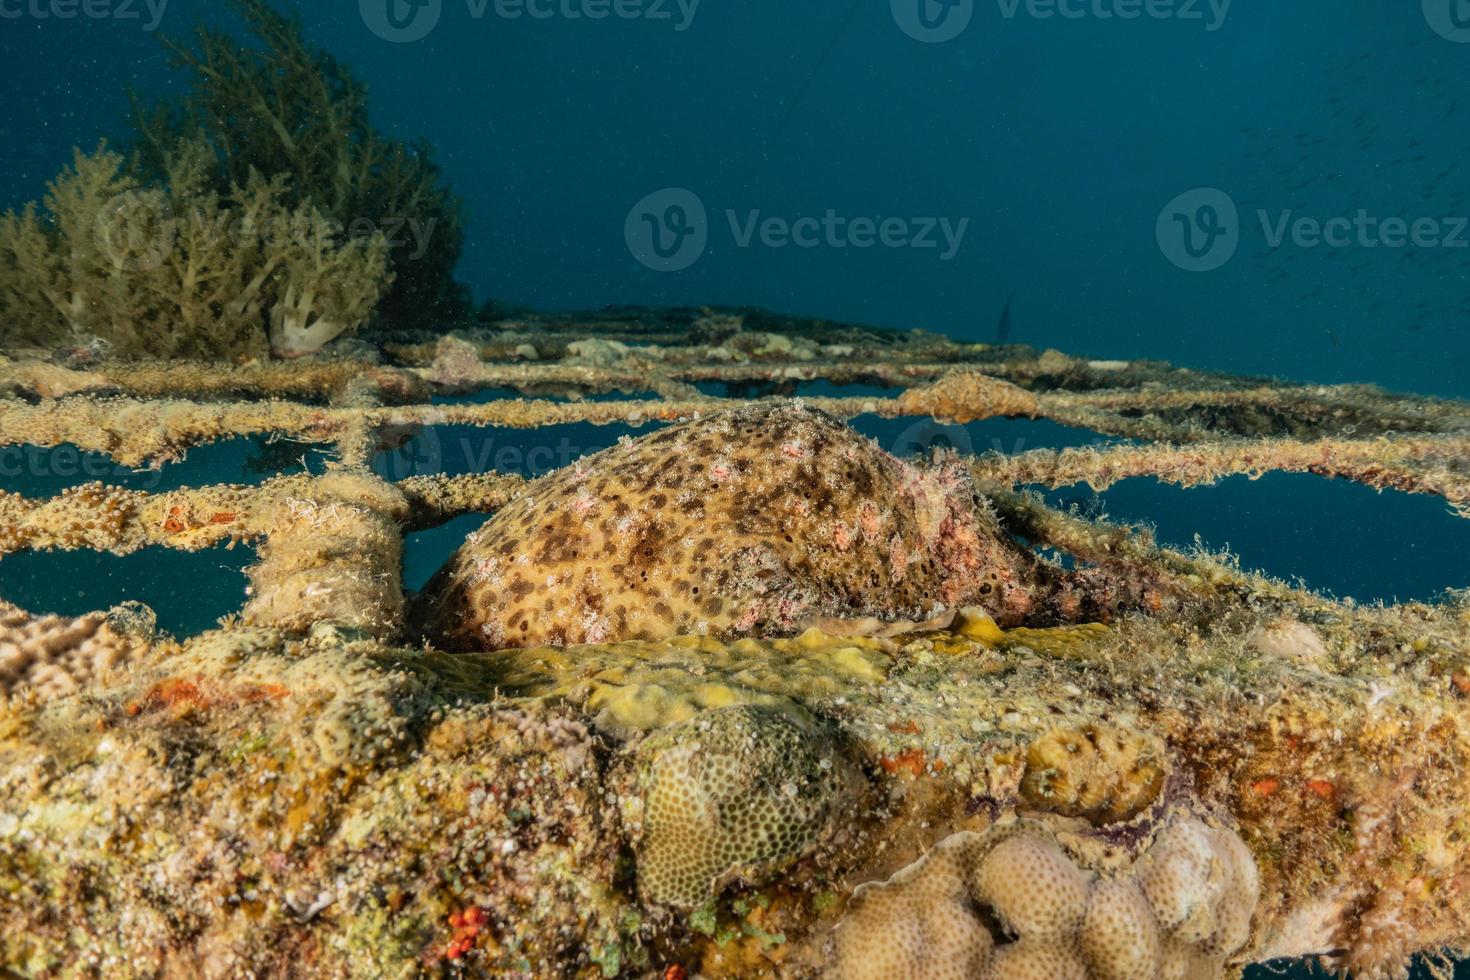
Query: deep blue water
point(1060, 140)
point(1134, 187)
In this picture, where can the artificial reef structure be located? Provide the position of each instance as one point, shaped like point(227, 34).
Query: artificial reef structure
point(932, 727)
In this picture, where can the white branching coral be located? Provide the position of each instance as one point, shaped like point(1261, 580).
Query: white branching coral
point(328, 288)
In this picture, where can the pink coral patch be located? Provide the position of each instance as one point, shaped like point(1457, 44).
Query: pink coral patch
point(841, 537)
point(750, 618)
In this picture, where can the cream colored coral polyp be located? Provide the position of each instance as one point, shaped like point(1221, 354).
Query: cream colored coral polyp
point(1035, 959)
point(1120, 936)
point(1047, 917)
point(1037, 892)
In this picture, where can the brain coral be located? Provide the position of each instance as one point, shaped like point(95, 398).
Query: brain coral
point(921, 923)
point(739, 792)
point(762, 520)
point(1010, 904)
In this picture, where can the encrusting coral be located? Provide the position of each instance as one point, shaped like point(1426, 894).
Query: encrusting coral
point(759, 521)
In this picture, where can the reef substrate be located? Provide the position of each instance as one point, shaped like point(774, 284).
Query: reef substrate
point(1157, 764)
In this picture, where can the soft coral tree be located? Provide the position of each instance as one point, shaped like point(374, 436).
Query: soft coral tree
point(178, 269)
point(285, 107)
point(326, 287)
point(223, 233)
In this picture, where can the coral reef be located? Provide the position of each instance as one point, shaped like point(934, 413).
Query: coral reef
point(179, 269)
point(759, 521)
point(227, 766)
point(280, 107)
point(366, 794)
point(1168, 767)
point(46, 657)
point(742, 791)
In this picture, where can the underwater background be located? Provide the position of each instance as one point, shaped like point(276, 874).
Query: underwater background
point(1055, 174)
point(1058, 140)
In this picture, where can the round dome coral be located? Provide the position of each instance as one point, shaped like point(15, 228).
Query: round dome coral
point(758, 521)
